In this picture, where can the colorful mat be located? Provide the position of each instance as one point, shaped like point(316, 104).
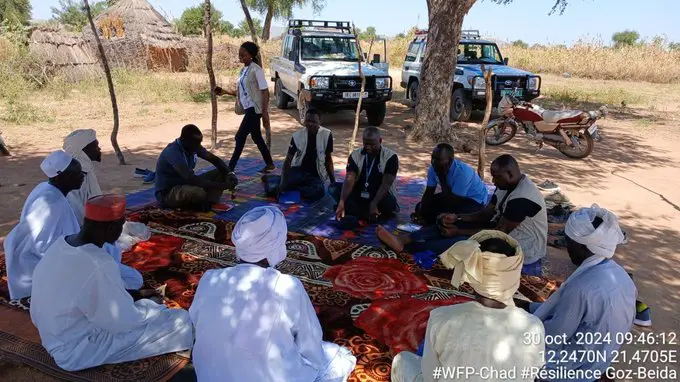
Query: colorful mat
point(185, 245)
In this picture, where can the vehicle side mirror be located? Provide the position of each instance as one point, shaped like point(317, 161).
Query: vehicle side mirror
point(292, 55)
point(376, 59)
point(506, 60)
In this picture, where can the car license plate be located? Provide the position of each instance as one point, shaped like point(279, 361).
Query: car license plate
point(354, 95)
point(592, 129)
point(516, 93)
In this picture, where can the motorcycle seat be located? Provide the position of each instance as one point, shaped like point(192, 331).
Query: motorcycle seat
point(552, 116)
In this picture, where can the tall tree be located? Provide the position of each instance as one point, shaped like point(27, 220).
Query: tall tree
point(625, 38)
point(112, 92)
point(72, 14)
point(191, 22)
point(434, 97)
point(211, 74)
point(15, 11)
point(280, 9)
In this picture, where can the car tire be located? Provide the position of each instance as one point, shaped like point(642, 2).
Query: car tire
point(413, 91)
point(461, 106)
point(282, 99)
point(376, 114)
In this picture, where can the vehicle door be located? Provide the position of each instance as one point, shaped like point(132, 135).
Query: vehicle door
point(412, 62)
point(287, 66)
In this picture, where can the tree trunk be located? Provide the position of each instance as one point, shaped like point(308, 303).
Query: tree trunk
point(112, 93)
point(481, 159)
point(266, 30)
point(439, 65)
point(207, 26)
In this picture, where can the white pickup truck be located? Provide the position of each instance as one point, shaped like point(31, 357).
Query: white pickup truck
point(318, 67)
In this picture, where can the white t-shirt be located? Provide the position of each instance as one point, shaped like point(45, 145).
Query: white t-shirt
point(246, 100)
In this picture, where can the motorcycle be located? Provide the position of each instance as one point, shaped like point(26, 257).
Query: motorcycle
point(572, 132)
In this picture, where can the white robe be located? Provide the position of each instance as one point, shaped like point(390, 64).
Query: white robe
point(472, 335)
point(257, 324)
point(45, 217)
point(86, 318)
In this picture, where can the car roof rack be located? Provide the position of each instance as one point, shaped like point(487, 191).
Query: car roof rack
point(470, 34)
point(344, 26)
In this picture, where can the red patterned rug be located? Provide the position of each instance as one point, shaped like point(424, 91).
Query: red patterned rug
point(184, 246)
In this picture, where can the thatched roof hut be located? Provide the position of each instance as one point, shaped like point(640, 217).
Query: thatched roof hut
point(135, 35)
point(63, 53)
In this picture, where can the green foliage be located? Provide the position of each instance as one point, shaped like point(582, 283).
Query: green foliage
point(367, 35)
point(283, 9)
point(72, 13)
point(520, 44)
point(191, 22)
point(15, 11)
point(245, 29)
point(625, 38)
point(675, 46)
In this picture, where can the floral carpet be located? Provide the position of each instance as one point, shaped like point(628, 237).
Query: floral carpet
point(347, 282)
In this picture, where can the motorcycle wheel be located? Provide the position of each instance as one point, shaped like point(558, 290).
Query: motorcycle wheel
point(586, 146)
point(499, 132)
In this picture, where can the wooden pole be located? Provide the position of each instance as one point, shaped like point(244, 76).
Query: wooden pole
point(211, 73)
point(361, 94)
point(481, 159)
point(112, 93)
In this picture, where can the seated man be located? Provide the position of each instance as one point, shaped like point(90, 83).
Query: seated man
point(45, 217)
point(516, 208)
point(83, 146)
point(81, 309)
point(176, 184)
point(254, 323)
point(599, 297)
point(309, 164)
point(489, 332)
point(462, 190)
point(369, 191)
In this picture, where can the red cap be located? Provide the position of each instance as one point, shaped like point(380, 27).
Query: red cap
point(105, 208)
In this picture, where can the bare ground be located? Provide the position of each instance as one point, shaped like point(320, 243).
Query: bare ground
point(633, 172)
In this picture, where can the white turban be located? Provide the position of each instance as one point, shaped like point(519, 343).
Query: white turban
point(77, 140)
point(601, 241)
point(492, 275)
point(261, 233)
point(55, 163)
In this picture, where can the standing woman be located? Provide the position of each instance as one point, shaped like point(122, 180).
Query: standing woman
point(253, 103)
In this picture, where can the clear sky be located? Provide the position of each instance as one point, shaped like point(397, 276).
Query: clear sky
point(527, 20)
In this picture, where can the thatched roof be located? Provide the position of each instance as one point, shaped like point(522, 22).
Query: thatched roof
point(137, 18)
point(67, 52)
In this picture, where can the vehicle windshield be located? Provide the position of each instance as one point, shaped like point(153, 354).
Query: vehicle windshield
point(479, 53)
point(329, 48)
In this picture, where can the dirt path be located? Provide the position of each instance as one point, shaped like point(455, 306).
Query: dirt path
point(633, 173)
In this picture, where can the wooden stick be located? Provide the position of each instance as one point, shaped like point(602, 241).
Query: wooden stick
point(481, 159)
point(211, 73)
point(112, 93)
point(361, 94)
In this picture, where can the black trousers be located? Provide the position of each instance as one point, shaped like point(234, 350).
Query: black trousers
point(359, 207)
point(439, 204)
point(250, 125)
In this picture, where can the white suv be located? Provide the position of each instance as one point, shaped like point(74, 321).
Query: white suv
point(320, 58)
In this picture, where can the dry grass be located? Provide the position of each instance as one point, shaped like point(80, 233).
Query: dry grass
point(638, 63)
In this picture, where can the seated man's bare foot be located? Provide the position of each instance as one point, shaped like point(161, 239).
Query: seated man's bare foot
point(389, 239)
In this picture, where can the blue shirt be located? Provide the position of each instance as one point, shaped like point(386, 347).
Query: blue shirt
point(173, 156)
point(463, 181)
point(599, 301)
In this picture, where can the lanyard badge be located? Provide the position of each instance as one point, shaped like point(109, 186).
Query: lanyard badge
point(365, 194)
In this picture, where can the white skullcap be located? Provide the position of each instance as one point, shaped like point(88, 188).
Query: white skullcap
point(601, 241)
point(55, 163)
point(261, 234)
point(77, 140)
point(492, 275)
